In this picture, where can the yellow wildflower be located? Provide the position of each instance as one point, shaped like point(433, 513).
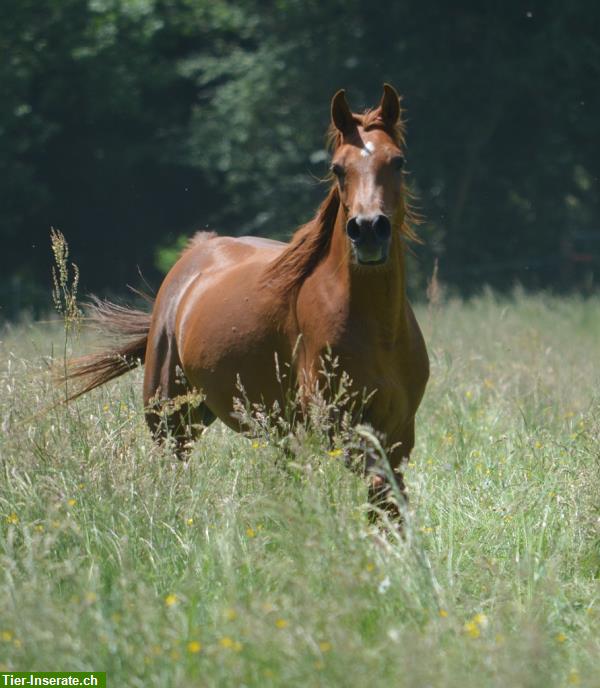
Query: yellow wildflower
point(250, 532)
point(574, 678)
point(71, 502)
point(335, 452)
point(324, 646)
point(481, 620)
point(226, 642)
point(90, 597)
point(194, 647)
point(13, 519)
point(443, 613)
point(560, 638)
point(7, 636)
point(171, 600)
point(370, 566)
point(281, 623)
point(472, 629)
point(190, 521)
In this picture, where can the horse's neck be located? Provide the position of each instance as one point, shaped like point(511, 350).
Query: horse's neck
point(376, 297)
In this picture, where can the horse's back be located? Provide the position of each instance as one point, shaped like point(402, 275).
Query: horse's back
point(208, 251)
point(223, 284)
point(208, 256)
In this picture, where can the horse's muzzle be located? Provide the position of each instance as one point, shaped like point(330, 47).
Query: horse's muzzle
point(370, 238)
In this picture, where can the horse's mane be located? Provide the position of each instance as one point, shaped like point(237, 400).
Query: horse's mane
point(308, 247)
point(311, 241)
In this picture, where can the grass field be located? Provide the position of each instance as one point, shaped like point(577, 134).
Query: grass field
point(247, 568)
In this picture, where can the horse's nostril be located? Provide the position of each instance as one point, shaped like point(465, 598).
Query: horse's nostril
point(361, 229)
point(353, 229)
point(382, 227)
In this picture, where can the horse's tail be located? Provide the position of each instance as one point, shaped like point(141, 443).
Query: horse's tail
point(129, 327)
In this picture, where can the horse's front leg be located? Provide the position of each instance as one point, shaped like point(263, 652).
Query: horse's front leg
point(387, 496)
point(388, 492)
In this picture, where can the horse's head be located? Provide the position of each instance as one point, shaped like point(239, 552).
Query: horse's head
point(368, 163)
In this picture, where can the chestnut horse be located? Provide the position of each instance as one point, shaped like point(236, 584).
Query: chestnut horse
point(230, 305)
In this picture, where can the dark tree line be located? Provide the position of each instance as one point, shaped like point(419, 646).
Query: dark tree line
point(131, 123)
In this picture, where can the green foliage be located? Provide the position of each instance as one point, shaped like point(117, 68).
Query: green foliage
point(129, 123)
point(248, 567)
point(166, 256)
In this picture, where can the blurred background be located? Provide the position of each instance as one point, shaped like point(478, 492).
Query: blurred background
point(130, 124)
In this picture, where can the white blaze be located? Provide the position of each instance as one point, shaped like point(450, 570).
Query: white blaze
point(368, 149)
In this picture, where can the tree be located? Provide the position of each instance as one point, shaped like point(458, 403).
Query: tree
point(130, 123)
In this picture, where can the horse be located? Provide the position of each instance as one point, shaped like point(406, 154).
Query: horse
point(231, 305)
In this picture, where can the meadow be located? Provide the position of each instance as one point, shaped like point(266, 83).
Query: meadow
point(251, 567)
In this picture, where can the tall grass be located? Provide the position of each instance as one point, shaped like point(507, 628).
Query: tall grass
point(245, 567)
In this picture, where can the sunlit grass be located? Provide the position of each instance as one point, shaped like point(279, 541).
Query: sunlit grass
point(245, 567)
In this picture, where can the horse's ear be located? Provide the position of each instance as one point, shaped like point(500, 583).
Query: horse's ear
point(389, 106)
point(340, 113)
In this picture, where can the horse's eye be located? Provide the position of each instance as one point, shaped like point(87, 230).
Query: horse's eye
point(398, 162)
point(338, 170)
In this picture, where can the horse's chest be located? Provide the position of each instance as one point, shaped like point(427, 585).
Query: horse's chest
point(380, 371)
point(388, 389)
